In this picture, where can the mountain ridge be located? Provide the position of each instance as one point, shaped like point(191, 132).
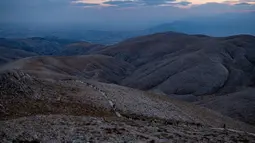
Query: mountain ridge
point(182, 66)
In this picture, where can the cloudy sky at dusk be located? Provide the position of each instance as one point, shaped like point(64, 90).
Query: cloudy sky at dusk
point(138, 12)
point(163, 2)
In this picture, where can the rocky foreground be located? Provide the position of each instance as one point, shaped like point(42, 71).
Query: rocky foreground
point(61, 128)
point(78, 110)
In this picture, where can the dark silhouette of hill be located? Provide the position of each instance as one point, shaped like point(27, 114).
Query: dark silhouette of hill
point(80, 48)
point(26, 47)
point(8, 55)
point(42, 46)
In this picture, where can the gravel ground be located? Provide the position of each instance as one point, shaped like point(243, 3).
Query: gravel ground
point(78, 129)
point(34, 110)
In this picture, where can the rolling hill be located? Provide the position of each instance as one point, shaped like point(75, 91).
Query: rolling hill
point(80, 48)
point(7, 55)
point(97, 67)
point(131, 82)
point(175, 63)
point(50, 46)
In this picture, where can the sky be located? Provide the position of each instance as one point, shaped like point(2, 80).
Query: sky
point(192, 2)
point(112, 13)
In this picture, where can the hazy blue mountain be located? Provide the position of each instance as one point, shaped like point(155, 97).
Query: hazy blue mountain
point(220, 25)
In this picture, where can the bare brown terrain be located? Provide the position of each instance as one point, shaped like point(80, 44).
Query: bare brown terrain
point(98, 67)
point(83, 92)
point(109, 112)
point(162, 63)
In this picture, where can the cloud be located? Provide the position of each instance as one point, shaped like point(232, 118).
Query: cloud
point(243, 3)
point(86, 4)
point(247, 0)
point(221, 8)
point(127, 3)
point(183, 3)
point(137, 3)
point(111, 13)
point(163, 2)
point(240, 2)
point(131, 3)
point(157, 2)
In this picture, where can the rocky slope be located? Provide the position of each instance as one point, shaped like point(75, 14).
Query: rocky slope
point(61, 128)
point(42, 110)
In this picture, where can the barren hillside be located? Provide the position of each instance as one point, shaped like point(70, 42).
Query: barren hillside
point(175, 64)
point(130, 85)
point(82, 105)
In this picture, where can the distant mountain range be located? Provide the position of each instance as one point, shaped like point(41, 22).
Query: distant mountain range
point(219, 26)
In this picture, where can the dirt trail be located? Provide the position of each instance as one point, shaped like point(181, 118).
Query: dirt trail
point(111, 103)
